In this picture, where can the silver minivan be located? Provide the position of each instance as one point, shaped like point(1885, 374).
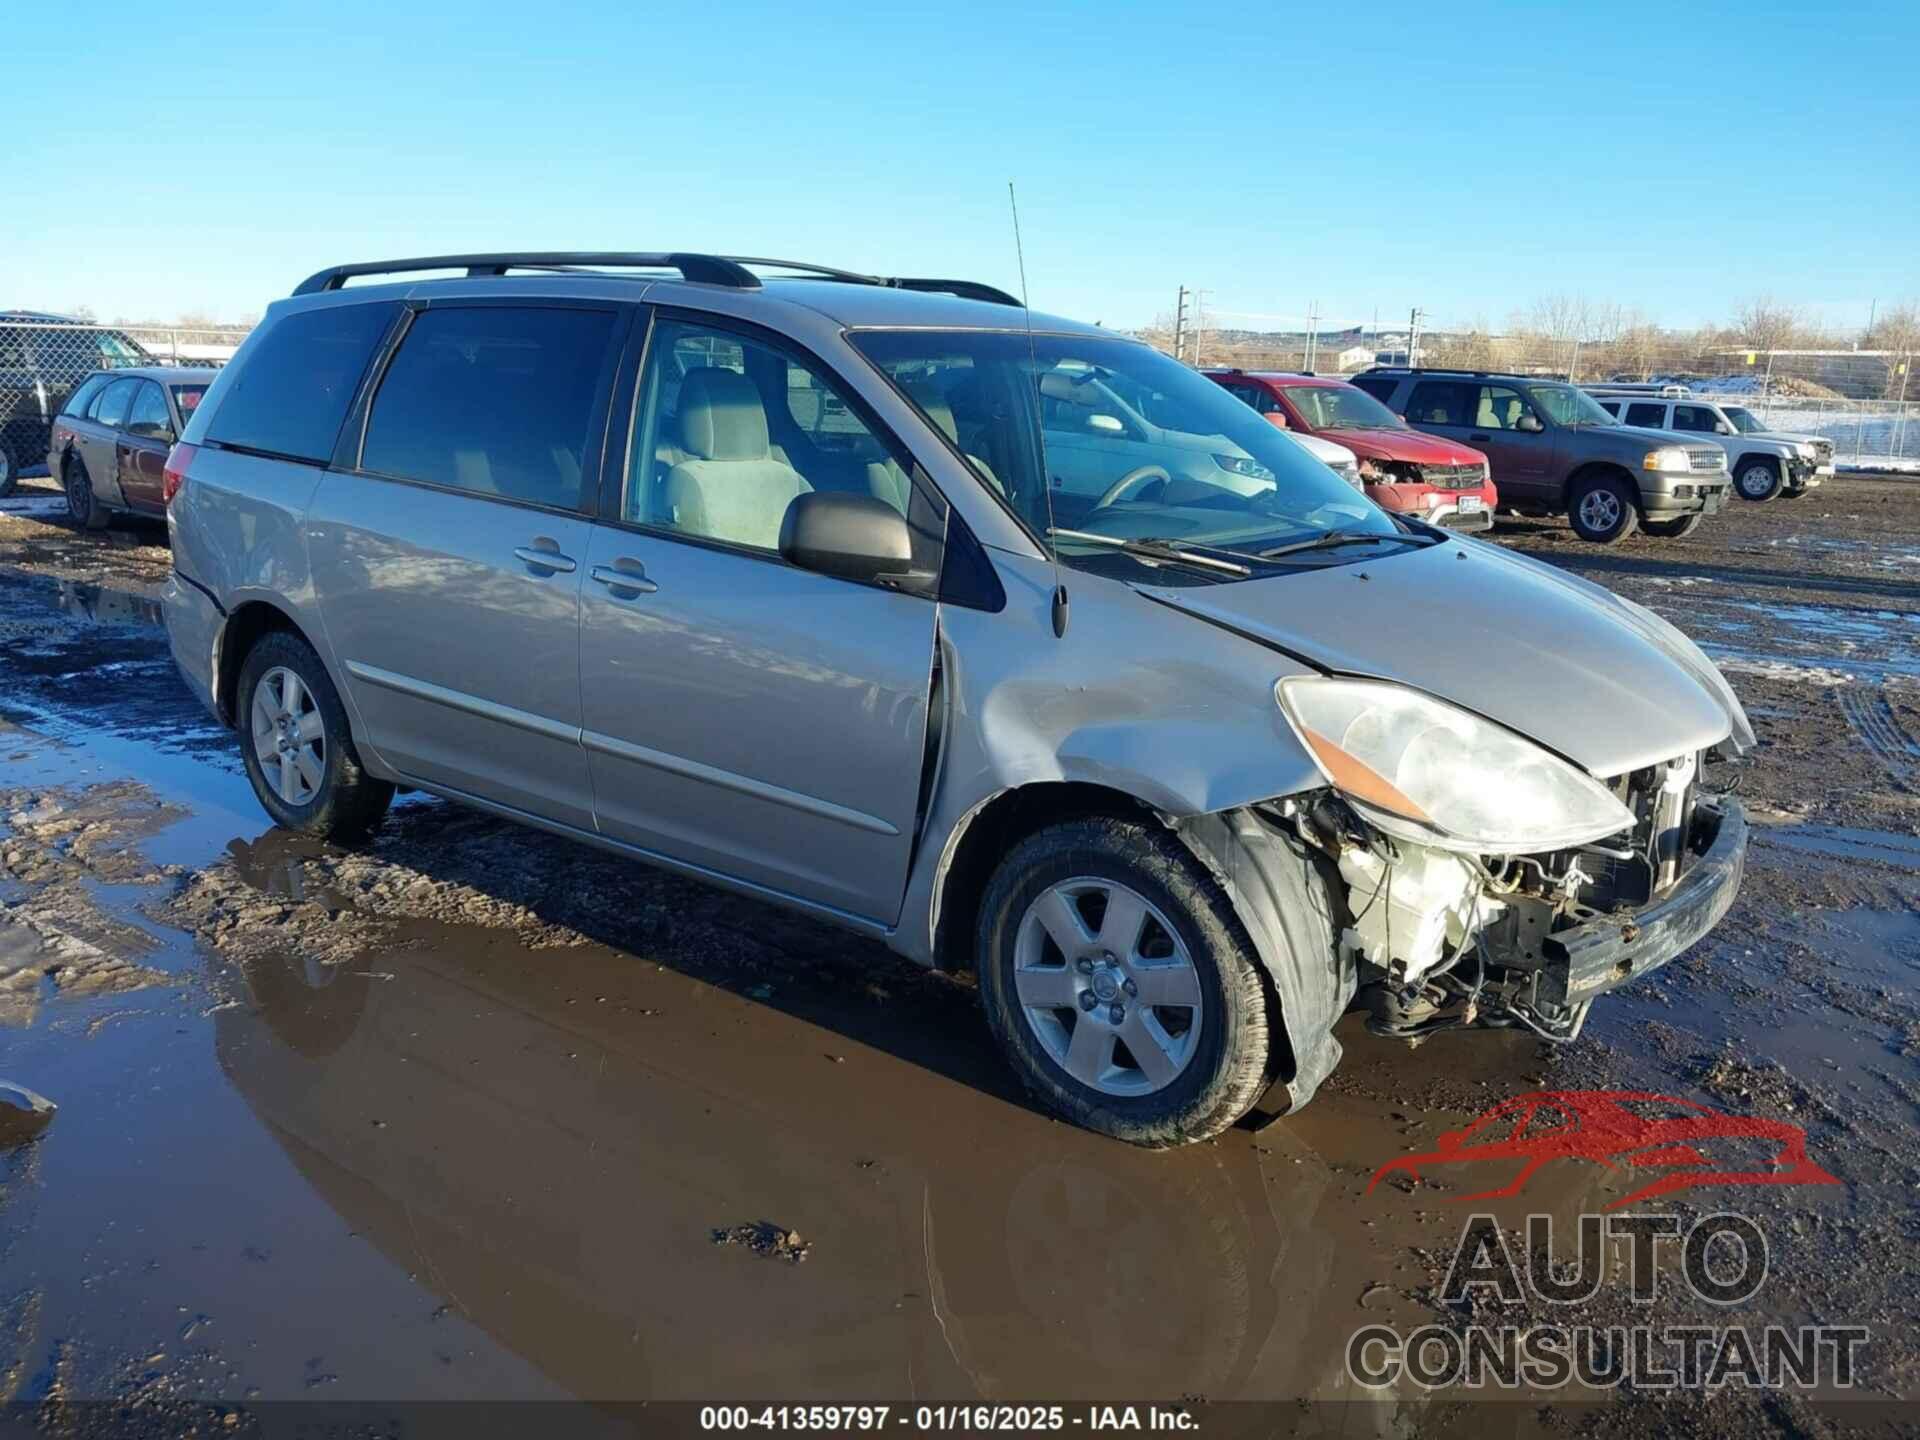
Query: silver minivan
point(769, 574)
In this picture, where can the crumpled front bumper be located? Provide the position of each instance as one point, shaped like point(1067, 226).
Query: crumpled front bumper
point(1604, 954)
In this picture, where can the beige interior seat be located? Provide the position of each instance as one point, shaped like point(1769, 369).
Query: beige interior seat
point(733, 486)
point(935, 407)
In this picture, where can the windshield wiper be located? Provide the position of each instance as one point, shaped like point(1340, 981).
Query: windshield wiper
point(1346, 537)
point(1166, 552)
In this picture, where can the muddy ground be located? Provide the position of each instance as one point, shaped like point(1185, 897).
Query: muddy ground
point(477, 1113)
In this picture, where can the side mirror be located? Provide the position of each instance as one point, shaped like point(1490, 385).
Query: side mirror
point(1110, 424)
point(855, 537)
point(1530, 424)
point(1277, 419)
point(1722, 428)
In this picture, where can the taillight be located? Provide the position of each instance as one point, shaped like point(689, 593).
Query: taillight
point(175, 473)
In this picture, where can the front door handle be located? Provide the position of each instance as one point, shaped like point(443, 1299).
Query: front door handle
point(626, 578)
point(543, 557)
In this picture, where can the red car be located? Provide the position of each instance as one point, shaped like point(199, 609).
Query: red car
point(1424, 476)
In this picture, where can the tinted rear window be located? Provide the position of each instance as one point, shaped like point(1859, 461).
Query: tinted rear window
point(82, 397)
point(293, 390)
point(493, 399)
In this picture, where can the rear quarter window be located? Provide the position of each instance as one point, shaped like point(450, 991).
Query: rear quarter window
point(290, 394)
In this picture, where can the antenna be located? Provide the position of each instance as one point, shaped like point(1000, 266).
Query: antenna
point(1033, 361)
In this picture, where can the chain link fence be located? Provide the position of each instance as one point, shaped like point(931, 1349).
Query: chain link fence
point(43, 360)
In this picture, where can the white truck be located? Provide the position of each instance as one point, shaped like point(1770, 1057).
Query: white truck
point(1764, 462)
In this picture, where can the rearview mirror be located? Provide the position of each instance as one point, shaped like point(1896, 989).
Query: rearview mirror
point(1109, 423)
point(1529, 423)
point(855, 537)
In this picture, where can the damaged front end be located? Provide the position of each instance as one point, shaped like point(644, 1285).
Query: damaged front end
point(1489, 881)
point(1444, 939)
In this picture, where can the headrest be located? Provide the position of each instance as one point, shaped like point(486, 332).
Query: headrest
point(721, 417)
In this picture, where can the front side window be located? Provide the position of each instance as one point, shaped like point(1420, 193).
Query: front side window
point(729, 431)
point(149, 418)
point(1342, 407)
point(115, 401)
point(1049, 424)
point(493, 399)
point(1744, 420)
point(1501, 407)
point(1442, 402)
point(1646, 416)
point(1612, 407)
point(1568, 405)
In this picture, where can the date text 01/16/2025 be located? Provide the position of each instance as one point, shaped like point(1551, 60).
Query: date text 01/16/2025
point(946, 1418)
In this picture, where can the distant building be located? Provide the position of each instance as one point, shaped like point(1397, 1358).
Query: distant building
point(1354, 357)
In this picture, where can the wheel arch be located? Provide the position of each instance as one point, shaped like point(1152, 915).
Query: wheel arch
point(242, 630)
point(1597, 469)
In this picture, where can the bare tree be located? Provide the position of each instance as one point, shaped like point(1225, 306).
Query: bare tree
point(1764, 323)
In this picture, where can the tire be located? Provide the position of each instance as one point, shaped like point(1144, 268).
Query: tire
point(1210, 1049)
point(1677, 528)
point(9, 471)
point(331, 795)
point(1603, 509)
point(83, 507)
point(1757, 480)
point(1797, 492)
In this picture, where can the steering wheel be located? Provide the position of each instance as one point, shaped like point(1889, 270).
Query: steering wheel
point(1129, 482)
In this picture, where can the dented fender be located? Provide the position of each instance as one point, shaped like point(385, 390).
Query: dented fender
point(1189, 728)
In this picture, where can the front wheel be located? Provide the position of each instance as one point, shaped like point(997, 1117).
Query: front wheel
point(1677, 528)
point(9, 471)
point(297, 746)
point(1602, 509)
point(1120, 985)
point(1757, 480)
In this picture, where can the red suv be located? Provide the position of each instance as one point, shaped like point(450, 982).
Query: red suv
point(1420, 475)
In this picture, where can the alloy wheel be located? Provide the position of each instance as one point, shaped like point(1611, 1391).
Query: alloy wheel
point(1107, 986)
point(1600, 510)
point(289, 736)
point(1756, 482)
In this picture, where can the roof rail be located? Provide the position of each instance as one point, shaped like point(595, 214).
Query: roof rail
point(965, 289)
point(704, 269)
point(727, 270)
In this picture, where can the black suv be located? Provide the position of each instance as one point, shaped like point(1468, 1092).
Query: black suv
point(1553, 451)
point(42, 358)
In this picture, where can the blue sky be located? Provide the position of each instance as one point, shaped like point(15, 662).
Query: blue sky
point(1468, 158)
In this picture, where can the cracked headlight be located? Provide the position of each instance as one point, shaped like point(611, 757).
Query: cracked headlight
point(1433, 773)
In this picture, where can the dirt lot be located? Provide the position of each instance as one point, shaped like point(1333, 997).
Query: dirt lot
point(476, 1113)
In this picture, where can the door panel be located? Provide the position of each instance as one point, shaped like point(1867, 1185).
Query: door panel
point(755, 719)
point(462, 656)
point(1521, 461)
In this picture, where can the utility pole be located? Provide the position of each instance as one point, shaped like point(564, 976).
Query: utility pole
point(1180, 326)
point(1199, 324)
point(1313, 334)
point(1414, 317)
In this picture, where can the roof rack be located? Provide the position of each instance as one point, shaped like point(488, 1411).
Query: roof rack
point(705, 269)
point(727, 270)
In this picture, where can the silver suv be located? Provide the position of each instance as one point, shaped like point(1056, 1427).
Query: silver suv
point(1764, 462)
point(771, 575)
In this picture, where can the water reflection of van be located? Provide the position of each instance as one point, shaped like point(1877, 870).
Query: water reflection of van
point(553, 1171)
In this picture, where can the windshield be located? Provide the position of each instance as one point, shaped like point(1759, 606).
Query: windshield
point(1342, 407)
point(1743, 420)
point(1115, 441)
point(1568, 406)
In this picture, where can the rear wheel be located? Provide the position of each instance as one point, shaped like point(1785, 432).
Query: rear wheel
point(83, 508)
point(1118, 982)
point(1677, 528)
point(297, 746)
point(9, 471)
point(1602, 509)
point(1757, 479)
